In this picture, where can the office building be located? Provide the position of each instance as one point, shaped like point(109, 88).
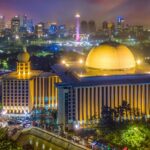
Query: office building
point(15, 24)
point(2, 23)
point(39, 30)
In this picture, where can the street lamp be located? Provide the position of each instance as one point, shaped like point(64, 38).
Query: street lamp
point(80, 61)
point(77, 126)
point(17, 37)
point(4, 112)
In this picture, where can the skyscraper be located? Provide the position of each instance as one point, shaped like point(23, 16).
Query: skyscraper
point(30, 26)
point(39, 30)
point(105, 25)
point(15, 24)
point(23, 21)
point(84, 27)
point(2, 25)
point(2, 22)
point(120, 23)
point(92, 26)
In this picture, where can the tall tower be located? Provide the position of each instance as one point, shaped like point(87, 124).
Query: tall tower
point(77, 16)
point(23, 64)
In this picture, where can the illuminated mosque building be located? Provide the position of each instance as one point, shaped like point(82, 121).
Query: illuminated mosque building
point(25, 89)
point(109, 76)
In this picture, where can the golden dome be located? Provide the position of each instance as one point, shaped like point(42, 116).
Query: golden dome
point(110, 57)
point(23, 56)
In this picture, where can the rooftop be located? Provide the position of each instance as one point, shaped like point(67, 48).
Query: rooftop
point(81, 76)
point(33, 73)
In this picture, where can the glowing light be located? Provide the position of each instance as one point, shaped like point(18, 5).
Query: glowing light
point(63, 62)
point(37, 144)
point(67, 65)
point(80, 61)
point(77, 27)
point(4, 112)
point(77, 15)
point(1, 17)
point(43, 146)
point(138, 61)
point(77, 126)
point(30, 141)
point(81, 75)
point(39, 25)
point(17, 37)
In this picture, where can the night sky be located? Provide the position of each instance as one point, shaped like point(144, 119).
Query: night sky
point(134, 11)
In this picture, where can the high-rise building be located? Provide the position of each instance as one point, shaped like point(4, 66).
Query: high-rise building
point(2, 23)
point(92, 26)
point(25, 89)
point(47, 25)
point(39, 30)
point(105, 25)
point(120, 23)
point(15, 24)
point(8, 24)
point(84, 27)
point(53, 28)
point(23, 21)
point(137, 30)
point(30, 26)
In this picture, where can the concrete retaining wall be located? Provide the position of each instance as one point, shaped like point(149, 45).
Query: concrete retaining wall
point(54, 139)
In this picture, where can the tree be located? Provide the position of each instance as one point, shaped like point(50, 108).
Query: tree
point(107, 122)
point(121, 111)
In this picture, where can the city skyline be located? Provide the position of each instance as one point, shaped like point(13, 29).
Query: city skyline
point(100, 10)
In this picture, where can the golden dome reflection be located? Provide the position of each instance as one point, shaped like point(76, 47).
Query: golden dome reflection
point(110, 56)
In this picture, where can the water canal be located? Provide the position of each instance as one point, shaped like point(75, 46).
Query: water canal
point(37, 143)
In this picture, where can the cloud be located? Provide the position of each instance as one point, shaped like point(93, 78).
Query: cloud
point(108, 4)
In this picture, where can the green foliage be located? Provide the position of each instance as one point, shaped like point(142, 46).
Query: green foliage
point(133, 135)
point(1, 106)
point(5, 143)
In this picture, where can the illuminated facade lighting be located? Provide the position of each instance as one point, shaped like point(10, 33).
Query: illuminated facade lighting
point(26, 89)
point(77, 16)
point(85, 91)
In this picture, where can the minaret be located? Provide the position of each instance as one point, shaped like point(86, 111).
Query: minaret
point(77, 16)
point(23, 64)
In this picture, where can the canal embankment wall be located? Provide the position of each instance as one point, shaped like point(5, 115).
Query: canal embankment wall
point(52, 138)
